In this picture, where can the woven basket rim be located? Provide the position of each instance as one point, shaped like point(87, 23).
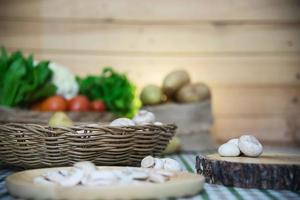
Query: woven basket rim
point(87, 125)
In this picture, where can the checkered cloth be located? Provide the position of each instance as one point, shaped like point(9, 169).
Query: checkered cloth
point(210, 191)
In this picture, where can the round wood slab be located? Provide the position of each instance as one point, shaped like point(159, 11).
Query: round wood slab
point(269, 171)
point(182, 184)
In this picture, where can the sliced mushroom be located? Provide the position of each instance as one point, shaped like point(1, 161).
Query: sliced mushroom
point(103, 175)
point(159, 163)
point(64, 172)
point(171, 164)
point(165, 173)
point(73, 179)
point(86, 166)
point(157, 178)
point(122, 122)
point(140, 175)
point(100, 182)
point(42, 181)
point(148, 162)
point(54, 176)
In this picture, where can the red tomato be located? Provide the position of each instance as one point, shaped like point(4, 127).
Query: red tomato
point(79, 103)
point(98, 105)
point(54, 103)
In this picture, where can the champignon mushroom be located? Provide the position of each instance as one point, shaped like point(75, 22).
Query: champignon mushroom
point(122, 122)
point(148, 162)
point(228, 150)
point(157, 123)
point(42, 181)
point(86, 166)
point(159, 163)
point(144, 117)
point(171, 164)
point(250, 146)
point(234, 141)
point(73, 179)
point(157, 178)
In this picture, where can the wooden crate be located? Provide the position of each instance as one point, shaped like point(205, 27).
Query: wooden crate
point(194, 121)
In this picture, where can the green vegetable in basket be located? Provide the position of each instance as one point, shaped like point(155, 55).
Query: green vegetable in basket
point(117, 92)
point(60, 119)
point(22, 82)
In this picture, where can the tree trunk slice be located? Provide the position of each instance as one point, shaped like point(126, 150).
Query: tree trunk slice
point(269, 171)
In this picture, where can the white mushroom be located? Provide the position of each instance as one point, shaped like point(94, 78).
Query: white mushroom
point(101, 182)
point(54, 176)
point(103, 175)
point(85, 173)
point(73, 179)
point(159, 163)
point(229, 149)
point(122, 122)
point(250, 146)
point(86, 166)
point(64, 172)
point(42, 181)
point(148, 162)
point(234, 141)
point(139, 175)
point(144, 117)
point(171, 164)
point(165, 173)
point(158, 123)
point(157, 178)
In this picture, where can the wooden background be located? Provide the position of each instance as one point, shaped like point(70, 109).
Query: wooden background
point(247, 51)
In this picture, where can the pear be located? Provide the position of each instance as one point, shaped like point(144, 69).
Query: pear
point(173, 146)
point(151, 94)
point(60, 119)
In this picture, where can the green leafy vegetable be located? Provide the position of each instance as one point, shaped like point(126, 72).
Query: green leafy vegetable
point(117, 92)
point(22, 82)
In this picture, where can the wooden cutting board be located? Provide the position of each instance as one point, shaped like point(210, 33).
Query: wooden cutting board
point(269, 171)
point(182, 184)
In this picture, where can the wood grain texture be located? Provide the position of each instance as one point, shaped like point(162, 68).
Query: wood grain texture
point(185, 39)
point(163, 10)
point(180, 184)
point(255, 101)
point(269, 171)
point(246, 51)
point(219, 71)
point(270, 129)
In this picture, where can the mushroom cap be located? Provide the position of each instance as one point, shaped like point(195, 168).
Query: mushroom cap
point(171, 164)
point(122, 122)
point(148, 162)
point(250, 146)
point(144, 117)
point(159, 163)
point(234, 141)
point(86, 166)
point(229, 150)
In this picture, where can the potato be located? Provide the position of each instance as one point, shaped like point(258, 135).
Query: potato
point(193, 93)
point(174, 81)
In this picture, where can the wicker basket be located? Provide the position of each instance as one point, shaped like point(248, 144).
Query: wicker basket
point(35, 145)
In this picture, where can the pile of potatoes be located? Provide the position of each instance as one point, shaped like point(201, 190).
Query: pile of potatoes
point(176, 87)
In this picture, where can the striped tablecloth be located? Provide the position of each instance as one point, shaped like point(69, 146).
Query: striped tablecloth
point(210, 191)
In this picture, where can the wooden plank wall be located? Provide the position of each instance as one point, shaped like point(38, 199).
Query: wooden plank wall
point(247, 51)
